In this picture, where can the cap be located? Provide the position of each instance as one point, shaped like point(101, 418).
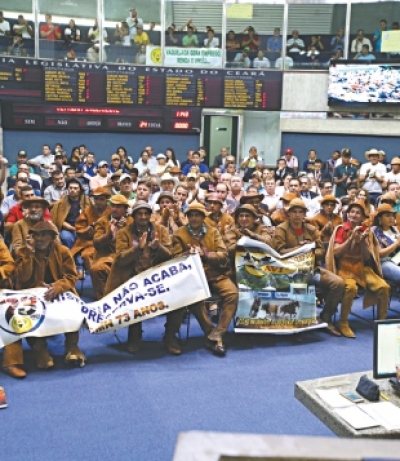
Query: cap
point(358, 203)
point(42, 201)
point(289, 150)
point(102, 163)
point(346, 152)
point(288, 197)
point(328, 198)
point(119, 200)
point(196, 207)
point(125, 176)
point(246, 48)
point(44, 226)
point(192, 175)
point(116, 174)
point(100, 191)
point(140, 205)
point(161, 155)
point(395, 161)
point(22, 153)
point(246, 208)
point(58, 154)
point(297, 203)
point(165, 195)
point(214, 198)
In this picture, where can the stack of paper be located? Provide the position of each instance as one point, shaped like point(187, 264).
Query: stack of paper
point(385, 413)
point(357, 418)
point(333, 398)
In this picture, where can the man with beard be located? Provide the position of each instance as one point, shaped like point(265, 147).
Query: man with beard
point(140, 246)
point(208, 243)
point(34, 210)
point(216, 218)
point(54, 192)
point(85, 225)
point(43, 262)
point(104, 241)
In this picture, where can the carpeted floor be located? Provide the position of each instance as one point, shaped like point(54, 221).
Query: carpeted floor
point(124, 407)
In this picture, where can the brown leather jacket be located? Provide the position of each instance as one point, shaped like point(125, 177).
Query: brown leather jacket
point(31, 268)
point(320, 221)
point(171, 220)
point(284, 238)
point(61, 208)
point(130, 260)
point(103, 242)
point(226, 221)
point(20, 231)
point(83, 226)
point(7, 266)
point(215, 263)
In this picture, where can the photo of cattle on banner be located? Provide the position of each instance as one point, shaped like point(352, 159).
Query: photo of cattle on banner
point(276, 293)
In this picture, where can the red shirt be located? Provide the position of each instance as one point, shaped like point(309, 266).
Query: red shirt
point(341, 234)
point(53, 35)
point(16, 214)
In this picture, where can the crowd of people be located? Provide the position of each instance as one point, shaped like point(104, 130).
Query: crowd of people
point(67, 217)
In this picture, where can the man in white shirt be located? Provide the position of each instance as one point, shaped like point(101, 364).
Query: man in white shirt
point(372, 174)
point(291, 160)
point(359, 41)
point(102, 179)
point(271, 197)
point(394, 174)
point(295, 44)
point(211, 41)
point(43, 161)
point(314, 205)
point(4, 25)
point(23, 28)
point(260, 62)
point(133, 21)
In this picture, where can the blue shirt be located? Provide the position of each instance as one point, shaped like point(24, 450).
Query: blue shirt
point(274, 44)
point(203, 169)
point(367, 57)
point(378, 43)
point(87, 169)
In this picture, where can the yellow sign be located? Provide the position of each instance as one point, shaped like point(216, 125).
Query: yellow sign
point(239, 11)
point(391, 41)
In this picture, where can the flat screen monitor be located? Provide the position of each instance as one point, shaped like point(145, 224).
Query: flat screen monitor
point(363, 84)
point(386, 348)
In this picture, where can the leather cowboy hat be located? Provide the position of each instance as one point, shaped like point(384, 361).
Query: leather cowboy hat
point(140, 205)
point(383, 208)
point(196, 207)
point(358, 203)
point(166, 195)
point(246, 208)
point(119, 200)
point(175, 170)
point(41, 200)
point(245, 199)
point(328, 198)
point(100, 191)
point(389, 197)
point(297, 203)
point(288, 197)
point(214, 198)
point(43, 226)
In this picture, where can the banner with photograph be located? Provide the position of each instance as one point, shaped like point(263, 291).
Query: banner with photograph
point(159, 290)
point(276, 293)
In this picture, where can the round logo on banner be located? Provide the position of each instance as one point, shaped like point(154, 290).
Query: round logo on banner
point(22, 313)
point(156, 55)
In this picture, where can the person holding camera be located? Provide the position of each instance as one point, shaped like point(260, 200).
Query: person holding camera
point(354, 255)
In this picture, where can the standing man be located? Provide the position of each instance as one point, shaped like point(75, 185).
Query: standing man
point(207, 241)
point(372, 174)
point(377, 38)
point(133, 22)
point(344, 174)
point(220, 160)
point(295, 233)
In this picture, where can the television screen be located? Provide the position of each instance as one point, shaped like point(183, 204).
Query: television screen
point(358, 84)
point(386, 348)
